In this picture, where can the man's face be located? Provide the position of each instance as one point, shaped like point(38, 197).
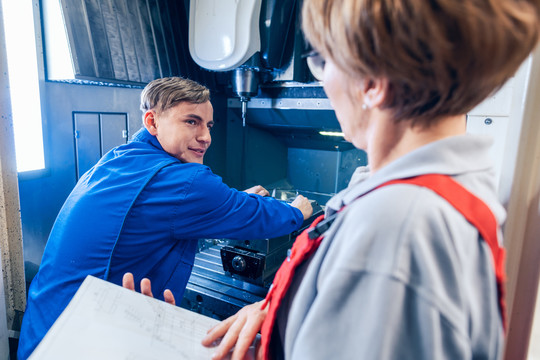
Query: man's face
point(183, 130)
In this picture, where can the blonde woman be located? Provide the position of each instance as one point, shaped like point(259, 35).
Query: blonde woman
point(404, 270)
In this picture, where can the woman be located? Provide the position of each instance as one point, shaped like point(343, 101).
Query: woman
point(403, 272)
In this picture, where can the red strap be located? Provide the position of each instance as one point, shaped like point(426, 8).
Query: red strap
point(302, 248)
point(472, 208)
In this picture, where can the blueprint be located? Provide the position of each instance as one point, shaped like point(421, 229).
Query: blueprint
point(105, 321)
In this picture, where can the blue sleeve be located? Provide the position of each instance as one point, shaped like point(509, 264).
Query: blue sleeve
point(211, 209)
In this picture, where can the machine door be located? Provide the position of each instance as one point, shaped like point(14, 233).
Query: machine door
point(95, 134)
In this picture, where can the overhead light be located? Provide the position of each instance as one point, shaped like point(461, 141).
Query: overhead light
point(331, 133)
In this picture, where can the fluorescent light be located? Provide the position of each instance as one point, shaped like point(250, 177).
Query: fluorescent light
point(331, 133)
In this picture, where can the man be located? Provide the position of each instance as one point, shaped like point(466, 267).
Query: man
point(143, 206)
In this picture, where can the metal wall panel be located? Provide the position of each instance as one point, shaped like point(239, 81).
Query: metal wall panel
point(113, 130)
point(42, 194)
point(87, 143)
point(116, 43)
point(77, 30)
point(159, 36)
point(129, 41)
point(145, 25)
point(323, 171)
point(95, 134)
point(97, 33)
point(119, 7)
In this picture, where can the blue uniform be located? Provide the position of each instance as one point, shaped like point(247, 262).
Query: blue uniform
point(141, 210)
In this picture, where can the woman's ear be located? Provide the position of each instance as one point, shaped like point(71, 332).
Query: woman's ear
point(375, 92)
point(149, 121)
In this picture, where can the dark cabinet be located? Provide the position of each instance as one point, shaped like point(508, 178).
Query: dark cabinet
point(95, 134)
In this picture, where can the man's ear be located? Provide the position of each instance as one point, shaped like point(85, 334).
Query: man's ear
point(375, 92)
point(149, 121)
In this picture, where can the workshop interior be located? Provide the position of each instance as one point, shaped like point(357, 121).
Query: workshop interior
point(274, 125)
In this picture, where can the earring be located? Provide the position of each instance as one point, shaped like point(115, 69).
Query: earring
point(364, 106)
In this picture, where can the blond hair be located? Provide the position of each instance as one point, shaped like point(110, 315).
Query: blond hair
point(164, 93)
point(440, 57)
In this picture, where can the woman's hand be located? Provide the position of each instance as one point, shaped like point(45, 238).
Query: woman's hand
point(146, 288)
point(238, 331)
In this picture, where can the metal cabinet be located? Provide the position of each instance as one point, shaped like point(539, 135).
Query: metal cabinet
point(95, 134)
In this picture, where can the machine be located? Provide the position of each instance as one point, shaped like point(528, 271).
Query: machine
point(229, 274)
point(257, 260)
point(287, 140)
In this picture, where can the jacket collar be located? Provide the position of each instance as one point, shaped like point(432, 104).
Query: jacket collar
point(449, 156)
point(145, 137)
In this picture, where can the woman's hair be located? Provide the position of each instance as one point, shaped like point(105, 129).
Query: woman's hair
point(440, 57)
point(162, 94)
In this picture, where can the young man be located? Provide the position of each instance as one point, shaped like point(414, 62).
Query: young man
point(143, 207)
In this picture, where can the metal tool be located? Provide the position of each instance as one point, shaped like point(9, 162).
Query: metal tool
point(245, 85)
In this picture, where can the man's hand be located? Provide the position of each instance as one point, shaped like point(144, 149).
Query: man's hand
point(146, 288)
point(238, 331)
point(258, 190)
point(303, 204)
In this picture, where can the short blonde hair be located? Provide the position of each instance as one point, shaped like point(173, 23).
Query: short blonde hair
point(440, 57)
point(164, 93)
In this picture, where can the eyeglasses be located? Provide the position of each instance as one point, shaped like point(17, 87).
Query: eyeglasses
point(315, 64)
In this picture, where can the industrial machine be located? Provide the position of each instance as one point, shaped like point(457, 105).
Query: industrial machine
point(229, 274)
point(257, 260)
point(256, 40)
point(287, 139)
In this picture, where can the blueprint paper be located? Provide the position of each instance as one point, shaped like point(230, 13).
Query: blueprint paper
point(105, 321)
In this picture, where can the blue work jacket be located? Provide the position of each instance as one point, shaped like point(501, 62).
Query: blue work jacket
point(142, 211)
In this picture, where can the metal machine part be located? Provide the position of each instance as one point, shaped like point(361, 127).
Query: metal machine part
point(257, 260)
point(223, 34)
point(246, 263)
point(212, 292)
point(230, 274)
point(245, 84)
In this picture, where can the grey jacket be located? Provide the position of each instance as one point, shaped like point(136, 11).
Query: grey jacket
point(401, 274)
